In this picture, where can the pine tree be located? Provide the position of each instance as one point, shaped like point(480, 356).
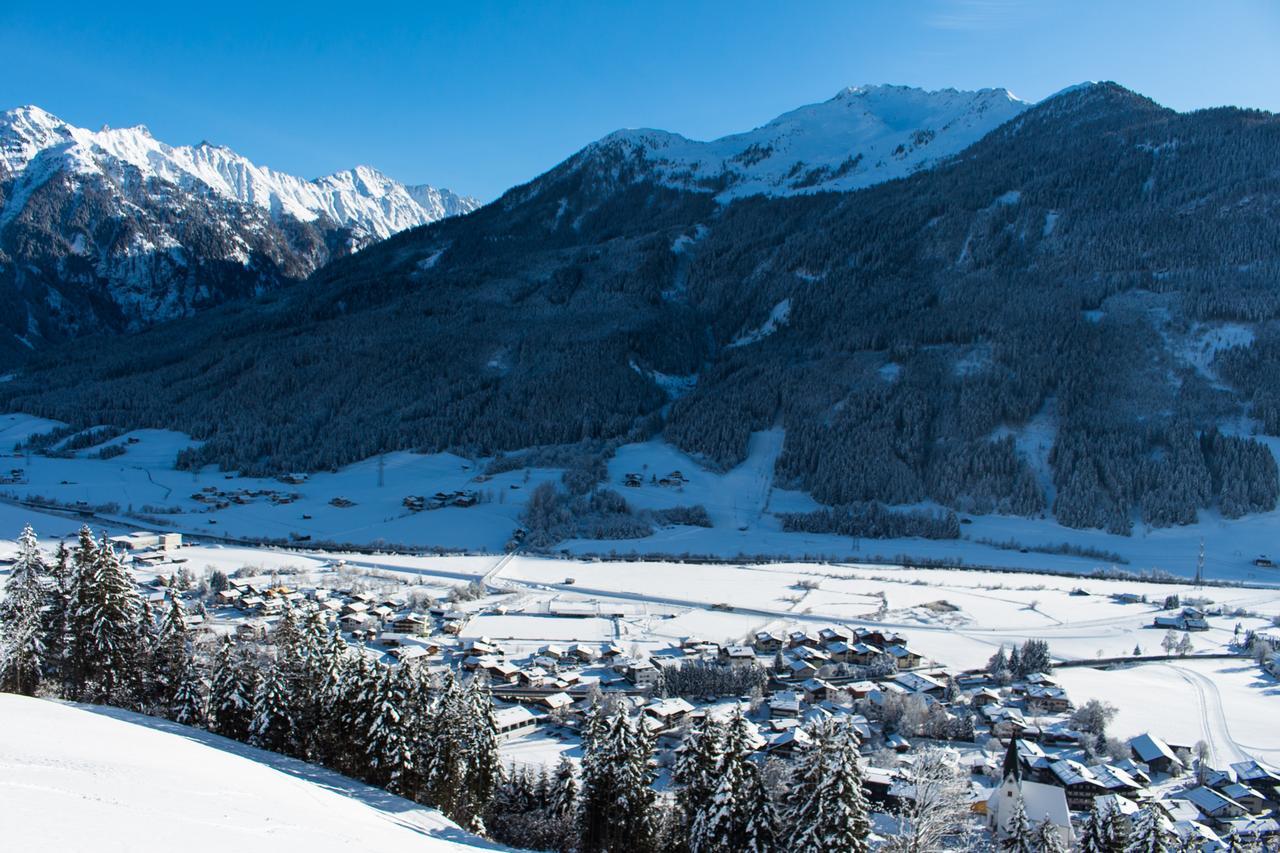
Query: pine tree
point(832, 813)
point(740, 814)
point(696, 770)
point(484, 764)
point(172, 654)
point(1093, 831)
point(1049, 838)
point(617, 809)
point(107, 626)
point(230, 694)
point(1018, 836)
point(388, 752)
point(187, 705)
point(1149, 835)
point(271, 723)
point(22, 634)
point(562, 798)
point(57, 621)
point(446, 759)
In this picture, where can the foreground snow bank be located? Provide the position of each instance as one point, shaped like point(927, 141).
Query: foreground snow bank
point(92, 778)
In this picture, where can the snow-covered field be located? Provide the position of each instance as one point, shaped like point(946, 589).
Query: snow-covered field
point(1232, 705)
point(742, 503)
point(93, 778)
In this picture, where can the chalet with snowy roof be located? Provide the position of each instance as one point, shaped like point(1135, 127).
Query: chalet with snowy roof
point(784, 703)
point(1116, 780)
point(1047, 699)
point(583, 652)
point(1216, 807)
point(738, 655)
point(816, 690)
point(556, 701)
point(906, 658)
point(672, 712)
point(799, 639)
point(768, 642)
point(1156, 754)
point(918, 682)
point(1080, 783)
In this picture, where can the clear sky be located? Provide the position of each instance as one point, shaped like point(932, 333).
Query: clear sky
point(478, 96)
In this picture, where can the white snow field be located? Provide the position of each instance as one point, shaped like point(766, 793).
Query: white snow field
point(744, 505)
point(1229, 704)
point(93, 778)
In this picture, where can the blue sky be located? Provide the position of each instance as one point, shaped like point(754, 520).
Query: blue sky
point(479, 96)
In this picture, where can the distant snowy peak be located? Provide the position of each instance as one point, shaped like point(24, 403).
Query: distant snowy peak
point(362, 198)
point(863, 136)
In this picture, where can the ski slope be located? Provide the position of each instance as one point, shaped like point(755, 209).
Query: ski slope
point(93, 778)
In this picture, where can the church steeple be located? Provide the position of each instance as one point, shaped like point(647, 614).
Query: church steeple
point(1012, 763)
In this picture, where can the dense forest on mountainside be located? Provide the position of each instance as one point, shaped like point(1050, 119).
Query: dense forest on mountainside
point(1077, 315)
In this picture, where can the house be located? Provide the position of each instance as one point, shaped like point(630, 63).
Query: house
point(799, 639)
point(1046, 698)
point(671, 712)
point(789, 742)
point(556, 701)
point(1080, 783)
point(1214, 805)
point(919, 683)
point(906, 658)
point(1250, 798)
point(816, 690)
point(1156, 754)
point(514, 720)
point(1117, 780)
point(642, 673)
point(583, 652)
point(738, 655)
point(784, 703)
point(801, 669)
point(1039, 802)
point(767, 642)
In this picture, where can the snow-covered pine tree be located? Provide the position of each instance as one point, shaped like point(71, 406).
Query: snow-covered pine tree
point(387, 749)
point(22, 635)
point(57, 615)
point(446, 758)
point(271, 723)
point(230, 693)
point(1049, 838)
point(802, 802)
point(107, 627)
point(1018, 836)
point(562, 798)
point(834, 810)
point(739, 815)
point(616, 809)
point(484, 764)
point(171, 655)
point(1149, 834)
point(696, 770)
point(1091, 829)
point(188, 703)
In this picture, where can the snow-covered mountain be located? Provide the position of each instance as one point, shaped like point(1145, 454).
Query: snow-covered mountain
point(114, 230)
point(863, 136)
point(36, 145)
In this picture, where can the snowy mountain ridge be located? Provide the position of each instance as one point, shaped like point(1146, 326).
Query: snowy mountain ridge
point(863, 136)
point(35, 144)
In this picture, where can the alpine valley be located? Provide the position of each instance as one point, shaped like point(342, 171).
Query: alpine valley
point(937, 302)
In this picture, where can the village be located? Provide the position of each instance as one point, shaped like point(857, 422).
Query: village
point(1009, 725)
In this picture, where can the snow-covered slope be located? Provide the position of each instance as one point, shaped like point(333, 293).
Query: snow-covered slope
point(862, 136)
point(361, 198)
point(77, 778)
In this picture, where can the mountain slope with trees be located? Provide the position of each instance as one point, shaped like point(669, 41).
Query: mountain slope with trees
point(1098, 266)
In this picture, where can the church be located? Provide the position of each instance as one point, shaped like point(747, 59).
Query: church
point(1040, 802)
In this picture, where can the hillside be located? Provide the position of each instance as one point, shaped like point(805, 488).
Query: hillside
point(113, 230)
point(135, 783)
point(1074, 316)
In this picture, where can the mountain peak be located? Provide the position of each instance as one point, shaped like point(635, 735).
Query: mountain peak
point(362, 198)
point(862, 136)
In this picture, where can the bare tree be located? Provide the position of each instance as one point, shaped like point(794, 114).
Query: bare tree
point(934, 811)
